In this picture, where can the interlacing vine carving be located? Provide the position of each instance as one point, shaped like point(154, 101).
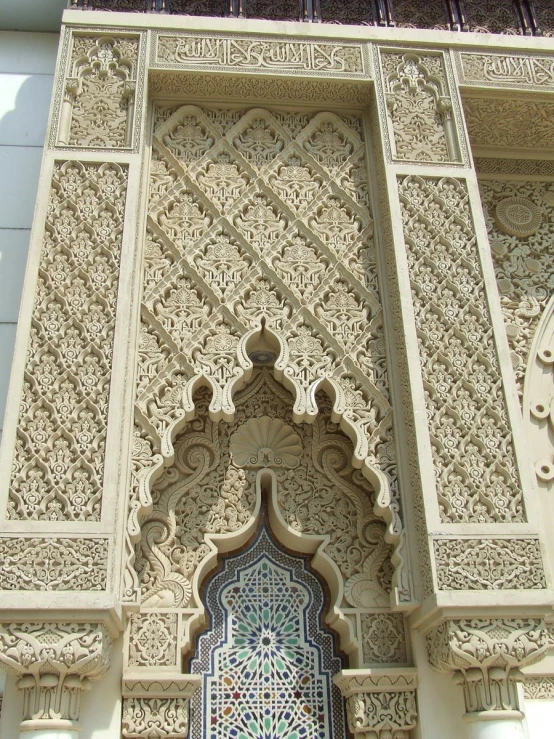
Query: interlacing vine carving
point(259, 222)
point(58, 463)
point(476, 473)
point(523, 258)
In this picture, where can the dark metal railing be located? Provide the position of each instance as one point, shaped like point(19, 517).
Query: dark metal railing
point(378, 12)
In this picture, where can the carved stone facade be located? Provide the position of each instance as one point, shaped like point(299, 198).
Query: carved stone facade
point(270, 352)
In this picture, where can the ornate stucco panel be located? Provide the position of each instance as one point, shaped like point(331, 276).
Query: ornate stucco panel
point(259, 221)
point(58, 461)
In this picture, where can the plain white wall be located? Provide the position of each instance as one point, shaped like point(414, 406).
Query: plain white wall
point(27, 63)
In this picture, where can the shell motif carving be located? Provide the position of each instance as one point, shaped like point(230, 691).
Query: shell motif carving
point(518, 217)
point(265, 442)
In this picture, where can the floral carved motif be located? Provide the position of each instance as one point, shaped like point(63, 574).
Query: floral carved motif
point(538, 688)
point(153, 640)
point(488, 564)
point(522, 262)
point(420, 14)
point(476, 472)
point(53, 564)
point(379, 705)
point(155, 718)
point(383, 638)
point(489, 16)
point(418, 106)
point(487, 655)
point(100, 92)
point(59, 457)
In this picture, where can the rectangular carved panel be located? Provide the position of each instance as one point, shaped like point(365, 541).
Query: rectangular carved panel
point(475, 466)
point(53, 563)
point(418, 107)
point(489, 564)
point(99, 102)
point(506, 70)
point(217, 52)
point(59, 456)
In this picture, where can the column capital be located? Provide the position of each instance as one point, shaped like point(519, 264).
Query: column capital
point(380, 704)
point(55, 662)
point(486, 656)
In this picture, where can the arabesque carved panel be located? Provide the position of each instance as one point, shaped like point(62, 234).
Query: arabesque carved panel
point(58, 463)
point(100, 92)
point(475, 467)
point(418, 107)
point(505, 123)
point(53, 564)
point(489, 564)
point(520, 223)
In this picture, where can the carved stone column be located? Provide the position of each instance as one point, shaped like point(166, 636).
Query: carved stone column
point(380, 703)
point(56, 663)
point(486, 656)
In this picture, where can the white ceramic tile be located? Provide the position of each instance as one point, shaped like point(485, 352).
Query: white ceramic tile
point(14, 246)
point(7, 340)
point(19, 171)
point(24, 105)
point(28, 53)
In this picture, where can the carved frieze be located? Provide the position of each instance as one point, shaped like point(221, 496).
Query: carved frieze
point(509, 123)
point(265, 55)
point(488, 564)
point(533, 167)
point(58, 463)
point(254, 88)
point(30, 563)
point(538, 688)
point(155, 717)
point(99, 95)
point(506, 70)
point(475, 467)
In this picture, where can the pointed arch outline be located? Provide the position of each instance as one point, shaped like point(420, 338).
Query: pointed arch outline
point(305, 410)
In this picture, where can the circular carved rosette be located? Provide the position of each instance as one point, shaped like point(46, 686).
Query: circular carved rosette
point(518, 217)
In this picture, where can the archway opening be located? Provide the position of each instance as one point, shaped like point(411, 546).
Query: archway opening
point(266, 660)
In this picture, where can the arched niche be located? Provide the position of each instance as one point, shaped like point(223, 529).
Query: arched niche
point(207, 503)
point(266, 661)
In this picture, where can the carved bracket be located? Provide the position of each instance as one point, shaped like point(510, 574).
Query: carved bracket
point(156, 706)
point(380, 704)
